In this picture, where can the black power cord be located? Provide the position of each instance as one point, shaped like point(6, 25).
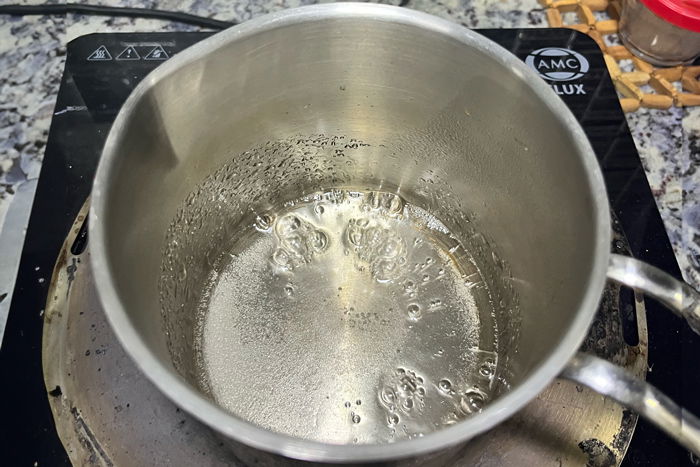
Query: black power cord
point(99, 10)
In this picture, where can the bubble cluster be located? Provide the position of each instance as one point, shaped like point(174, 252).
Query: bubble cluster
point(380, 247)
point(404, 393)
point(298, 242)
point(388, 202)
point(471, 395)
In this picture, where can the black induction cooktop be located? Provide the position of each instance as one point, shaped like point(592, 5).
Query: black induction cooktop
point(102, 69)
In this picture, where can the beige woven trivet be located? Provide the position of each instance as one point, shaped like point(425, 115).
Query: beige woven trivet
point(639, 83)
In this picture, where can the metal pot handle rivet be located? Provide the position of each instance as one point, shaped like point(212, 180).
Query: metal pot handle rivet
point(614, 382)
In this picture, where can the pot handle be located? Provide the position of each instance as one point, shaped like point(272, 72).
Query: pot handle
point(678, 296)
point(610, 380)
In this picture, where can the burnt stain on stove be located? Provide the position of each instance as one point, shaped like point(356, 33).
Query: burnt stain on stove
point(627, 426)
point(70, 269)
point(599, 455)
point(98, 456)
point(606, 336)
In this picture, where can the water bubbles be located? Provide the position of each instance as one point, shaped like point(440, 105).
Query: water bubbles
point(281, 258)
point(414, 312)
point(473, 400)
point(318, 241)
point(289, 290)
point(445, 386)
point(288, 224)
point(395, 204)
point(407, 385)
point(348, 404)
point(263, 222)
point(435, 303)
point(373, 200)
point(387, 395)
point(298, 242)
point(403, 393)
point(486, 371)
point(297, 245)
point(358, 402)
point(385, 270)
point(390, 248)
point(441, 272)
point(426, 278)
point(355, 418)
point(409, 287)
point(41, 280)
point(354, 233)
point(389, 202)
point(319, 209)
point(380, 247)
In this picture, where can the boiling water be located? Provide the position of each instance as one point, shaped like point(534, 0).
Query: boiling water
point(348, 317)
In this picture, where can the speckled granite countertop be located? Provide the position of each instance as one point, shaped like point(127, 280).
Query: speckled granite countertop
point(32, 51)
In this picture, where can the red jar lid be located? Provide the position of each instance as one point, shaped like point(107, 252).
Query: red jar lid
point(682, 13)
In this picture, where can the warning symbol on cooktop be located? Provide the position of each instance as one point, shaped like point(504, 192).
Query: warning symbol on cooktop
point(101, 54)
point(156, 53)
point(129, 53)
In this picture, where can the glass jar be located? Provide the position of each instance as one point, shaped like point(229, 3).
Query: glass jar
point(661, 32)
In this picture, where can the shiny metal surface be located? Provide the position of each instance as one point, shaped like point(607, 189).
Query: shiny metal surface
point(614, 382)
point(108, 413)
point(430, 110)
point(678, 296)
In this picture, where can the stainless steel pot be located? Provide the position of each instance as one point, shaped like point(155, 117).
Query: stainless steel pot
point(422, 107)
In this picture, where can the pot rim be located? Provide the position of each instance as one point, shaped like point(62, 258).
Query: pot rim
point(191, 400)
